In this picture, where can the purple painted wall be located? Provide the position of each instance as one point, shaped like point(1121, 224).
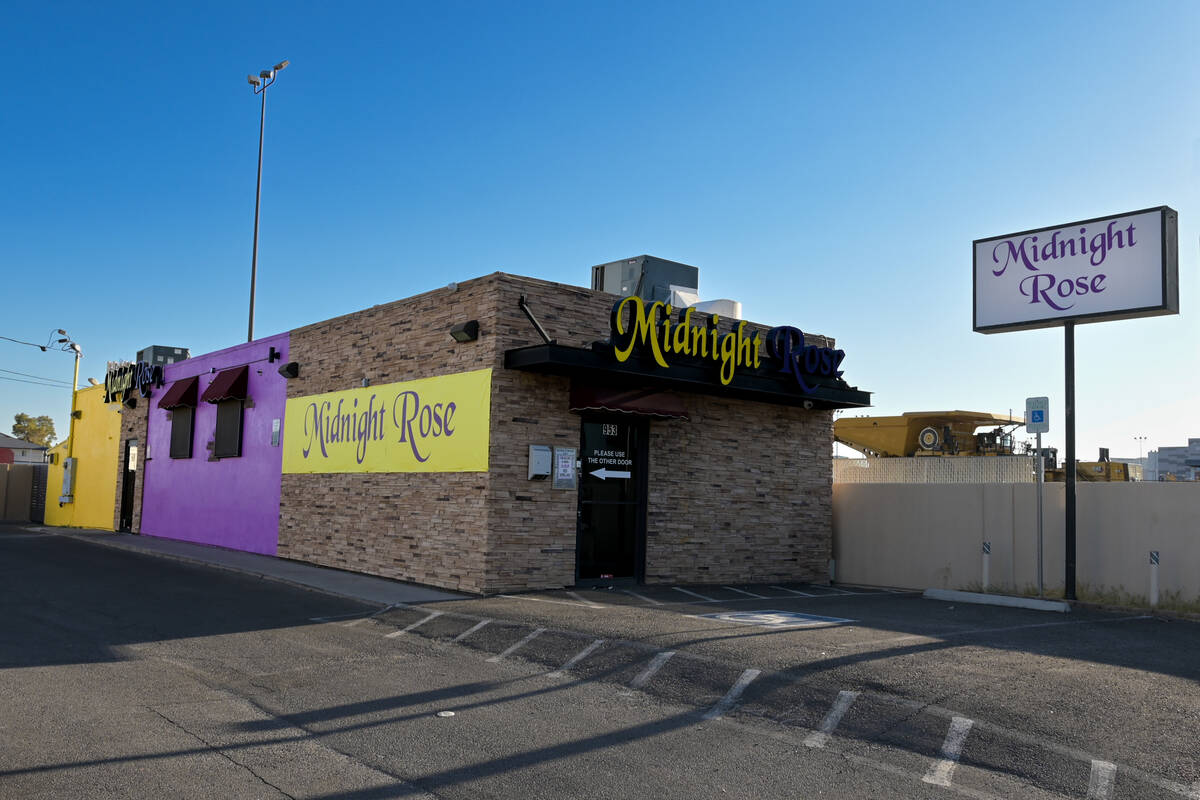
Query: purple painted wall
point(232, 502)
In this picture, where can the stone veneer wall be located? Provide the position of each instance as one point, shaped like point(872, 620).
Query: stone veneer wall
point(135, 423)
point(741, 492)
point(532, 528)
point(425, 527)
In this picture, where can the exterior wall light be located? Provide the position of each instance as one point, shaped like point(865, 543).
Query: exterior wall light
point(290, 370)
point(465, 331)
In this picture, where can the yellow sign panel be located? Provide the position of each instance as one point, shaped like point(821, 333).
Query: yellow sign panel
point(428, 425)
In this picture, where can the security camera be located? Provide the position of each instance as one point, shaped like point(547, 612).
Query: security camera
point(808, 404)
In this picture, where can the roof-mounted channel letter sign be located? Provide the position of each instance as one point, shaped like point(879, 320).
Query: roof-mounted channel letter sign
point(1106, 268)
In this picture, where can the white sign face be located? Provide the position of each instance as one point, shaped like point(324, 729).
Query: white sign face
point(1101, 269)
point(1037, 414)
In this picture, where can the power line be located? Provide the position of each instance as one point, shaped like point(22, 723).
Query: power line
point(35, 383)
point(39, 377)
point(41, 347)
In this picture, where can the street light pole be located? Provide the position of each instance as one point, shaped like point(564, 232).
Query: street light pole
point(260, 84)
point(68, 345)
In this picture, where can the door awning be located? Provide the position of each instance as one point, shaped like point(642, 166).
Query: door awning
point(230, 384)
point(597, 366)
point(181, 393)
point(637, 402)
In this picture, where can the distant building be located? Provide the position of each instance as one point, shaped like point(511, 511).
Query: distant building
point(1180, 463)
point(158, 354)
point(19, 451)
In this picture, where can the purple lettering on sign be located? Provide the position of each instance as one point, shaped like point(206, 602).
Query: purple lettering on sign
point(1027, 253)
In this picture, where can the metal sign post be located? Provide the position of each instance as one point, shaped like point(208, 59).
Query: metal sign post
point(1037, 420)
point(1040, 279)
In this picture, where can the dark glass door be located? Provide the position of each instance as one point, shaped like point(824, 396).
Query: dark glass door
point(612, 512)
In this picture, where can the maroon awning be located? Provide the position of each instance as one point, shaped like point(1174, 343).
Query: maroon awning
point(181, 393)
point(230, 384)
point(639, 402)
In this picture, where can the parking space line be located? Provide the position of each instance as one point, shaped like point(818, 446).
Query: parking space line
point(939, 774)
point(694, 594)
point(583, 600)
point(649, 672)
point(471, 630)
point(748, 594)
point(414, 626)
point(584, 604)
point(649, 600)
point(575, 659)
point(793, 591)
point(1101, 780)
point(354, 622)
point(725, 703)
point(840, 706)
point(514, 648)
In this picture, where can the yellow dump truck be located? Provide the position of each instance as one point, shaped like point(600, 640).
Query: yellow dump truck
point(953, 433)
point(929, 433)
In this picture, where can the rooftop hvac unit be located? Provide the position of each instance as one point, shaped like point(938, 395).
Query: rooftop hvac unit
point(658, 280)
point(652, 279)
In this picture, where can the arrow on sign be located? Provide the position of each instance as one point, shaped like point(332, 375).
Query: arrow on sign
point(603, 473)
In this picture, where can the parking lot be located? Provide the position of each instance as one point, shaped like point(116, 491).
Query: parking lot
point(968, 697)
point(133, 674)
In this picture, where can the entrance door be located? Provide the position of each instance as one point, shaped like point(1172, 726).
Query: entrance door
point(128, 481)
point(611, 539)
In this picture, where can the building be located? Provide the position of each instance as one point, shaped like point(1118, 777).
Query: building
point(500, 434)
point(96, 431)
point(1174, 463)
point(19, 451)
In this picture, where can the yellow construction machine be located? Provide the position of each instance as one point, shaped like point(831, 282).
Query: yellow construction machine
point(953, 433)
point(929, 433)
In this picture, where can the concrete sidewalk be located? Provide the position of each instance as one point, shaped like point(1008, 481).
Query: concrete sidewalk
point(366, 588)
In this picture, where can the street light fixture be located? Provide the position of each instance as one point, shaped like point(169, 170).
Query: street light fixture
point(1139, 440)
point(259, 84)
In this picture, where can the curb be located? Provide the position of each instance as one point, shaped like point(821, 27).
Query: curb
point(130, 548)
point(997, 600)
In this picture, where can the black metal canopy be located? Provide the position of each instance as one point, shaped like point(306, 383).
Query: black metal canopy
point(765, 385)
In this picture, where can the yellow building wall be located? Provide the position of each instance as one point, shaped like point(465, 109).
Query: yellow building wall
point(97, 433)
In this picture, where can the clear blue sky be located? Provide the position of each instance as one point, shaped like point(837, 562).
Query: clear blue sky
point(826, 164)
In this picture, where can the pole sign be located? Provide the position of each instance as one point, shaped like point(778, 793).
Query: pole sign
point(1037, 414)
point(1117, 267)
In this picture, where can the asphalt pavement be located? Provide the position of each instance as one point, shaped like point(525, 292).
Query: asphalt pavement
point(126, 673)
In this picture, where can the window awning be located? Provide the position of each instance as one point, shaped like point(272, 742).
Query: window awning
point(181, 393)
point(638, 402)
point(230, 384)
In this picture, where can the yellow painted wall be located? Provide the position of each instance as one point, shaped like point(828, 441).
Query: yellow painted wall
point(97, 433)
